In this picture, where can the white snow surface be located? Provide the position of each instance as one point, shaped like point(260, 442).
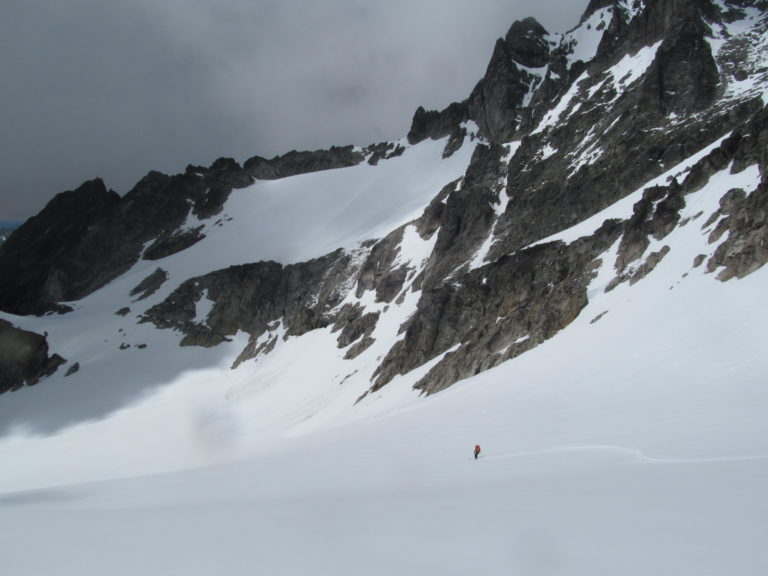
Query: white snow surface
point(632, 66)
point(552, 117)
point(585, 38)
point(634, 442)
point(306, 216)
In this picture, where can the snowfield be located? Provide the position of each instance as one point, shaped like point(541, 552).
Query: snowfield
point(635, 442)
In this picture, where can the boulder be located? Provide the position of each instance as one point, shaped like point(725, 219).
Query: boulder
point(24, 358)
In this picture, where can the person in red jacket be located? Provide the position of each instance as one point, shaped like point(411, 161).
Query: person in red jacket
point(477, 451)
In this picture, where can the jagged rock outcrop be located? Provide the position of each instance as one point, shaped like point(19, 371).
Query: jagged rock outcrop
point(150, 284)
point(495, 312)
point(436, 125)
point(86, 238)
point(497, 100)
point(468, 214)
point(294, 162)
point(24, 358)
point(383, 151)
point(31, 259)
point(526, 42)
point(252, 297)
point(743, 217)
point(684, 75)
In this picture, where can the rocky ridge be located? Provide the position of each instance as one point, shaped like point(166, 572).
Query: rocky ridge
point(24, 358)
point(566, 127)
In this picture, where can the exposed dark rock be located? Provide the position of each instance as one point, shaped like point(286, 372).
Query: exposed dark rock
point(383, 151)
point(743, 217)
point(358, 348)
point(84, 239)
point(436, 125)
point(496, 311)
point(72, 369)
point(649, 264)
point(526, 43)
point(430, 220)
point(746, 220)
point(255, 348)
point(24, 358)
point(546, 195)
point(455, 142)
point(684, 76)
point(655, 215)
point(497, 99)
point(294, 162)
point(148, 286)
point(360, 327)
point(496, 102)
point(251, 297)
point(123, 311)
point(378, 272)
point(597, 318)
point(466, 219)
point(29, 259)
point(172, 242)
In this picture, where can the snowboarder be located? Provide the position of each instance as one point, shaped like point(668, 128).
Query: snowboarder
point(477, 450)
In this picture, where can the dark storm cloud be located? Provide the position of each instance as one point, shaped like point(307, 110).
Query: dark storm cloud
point(115, 89)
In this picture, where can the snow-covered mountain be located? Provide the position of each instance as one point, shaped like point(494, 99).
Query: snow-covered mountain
point(284, 366)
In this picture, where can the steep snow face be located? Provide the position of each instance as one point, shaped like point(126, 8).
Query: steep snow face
point(555, 114)
point(632, 67)
point(584, 40)
point(537, 75)
point(307, 216)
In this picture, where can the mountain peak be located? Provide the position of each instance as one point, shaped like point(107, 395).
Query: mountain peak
point(526, 42)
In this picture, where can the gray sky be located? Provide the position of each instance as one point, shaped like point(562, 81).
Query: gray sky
point(117, 88)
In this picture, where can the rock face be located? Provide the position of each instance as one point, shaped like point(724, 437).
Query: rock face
point(24, 358)
point(254, 296)
point(562, 131)
point(4, 234)
point(150, 284)
point(436, 125)
point(496, 313)
point(294, 162)
point(32, 259)
point(497, 101)
point(86, 238)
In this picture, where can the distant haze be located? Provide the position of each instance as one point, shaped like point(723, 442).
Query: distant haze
point(115, 89)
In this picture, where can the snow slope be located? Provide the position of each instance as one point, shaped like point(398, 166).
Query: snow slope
point(634, 442)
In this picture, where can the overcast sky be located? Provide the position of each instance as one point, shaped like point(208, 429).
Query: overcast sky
point(117, 88)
